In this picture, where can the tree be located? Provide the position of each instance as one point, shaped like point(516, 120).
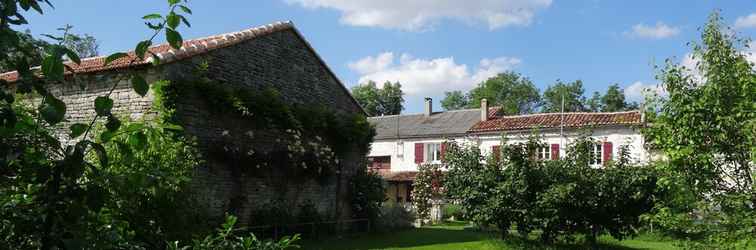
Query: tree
point(614, 100)
point(454, 100)
point(511, 91)
point(426, 189)
point(384, 101)
point(594, 104)
point(706, 126)
point(84, 45)
point(571, 92)
point(27, 47)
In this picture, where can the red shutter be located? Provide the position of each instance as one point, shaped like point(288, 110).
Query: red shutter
point(496, 151)
point(555, 151)
point(418, 153)
point(443, 150)
point(607, 151)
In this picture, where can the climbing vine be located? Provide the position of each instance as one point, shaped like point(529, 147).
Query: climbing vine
point(310, 140)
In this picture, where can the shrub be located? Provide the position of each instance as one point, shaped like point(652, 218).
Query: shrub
point(226, 238)
point(368, 192)
point(394, 216)
point(454, 211)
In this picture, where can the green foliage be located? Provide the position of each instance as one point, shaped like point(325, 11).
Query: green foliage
point(572, 93)
point(426, 189)
point(54, 195)
point(316, 138)
point(226, 237)
point(376, 101)
point(558, 198)
point(367, 192)
point(706, 127)
point(455, 100)
point(394, 216)
point(452, 210)
point(514, 93)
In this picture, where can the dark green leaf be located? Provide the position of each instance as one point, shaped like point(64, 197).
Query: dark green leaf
point(185, 9)
point(173, 2)
point(53, 110)
point(186, 22)
point(152, 16)
point(155, 60)
point(138, 140)
point(142, 47)
point(173, 20)
point(113, 57)
point(174, 38)
point(103, 105)
point(113, 123)
point(96, 198)
point(52, 67)
point(73, 56)
point(101, 153)
point(154, 26)
point(140, 85)
point(106, 136)
point(77, 129)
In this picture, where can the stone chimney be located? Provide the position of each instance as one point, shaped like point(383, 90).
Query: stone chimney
point(428, 106)
point(483, 110)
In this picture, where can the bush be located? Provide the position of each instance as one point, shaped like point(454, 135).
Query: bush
point(394, 216)
point(368, 192)
point(559, 198)
point(226, 238)
point(453, 211)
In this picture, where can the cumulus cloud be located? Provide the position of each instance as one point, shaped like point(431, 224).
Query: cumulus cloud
point(422, 14)
point(428, 77)
point(748, 21)
point(639, 90)
point(660, 31)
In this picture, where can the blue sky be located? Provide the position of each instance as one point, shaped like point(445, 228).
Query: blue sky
point(446, 45)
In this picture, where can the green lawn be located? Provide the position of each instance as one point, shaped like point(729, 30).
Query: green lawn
point(455, 236)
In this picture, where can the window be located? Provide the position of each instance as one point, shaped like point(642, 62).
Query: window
point(596, 153)
point(432, 152)
point(544, 153)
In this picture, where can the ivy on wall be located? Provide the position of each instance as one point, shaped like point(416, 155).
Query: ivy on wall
point(313, 139)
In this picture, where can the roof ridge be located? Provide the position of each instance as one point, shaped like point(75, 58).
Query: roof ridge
point(445, 111)
point(571, 113)
point(189, 48)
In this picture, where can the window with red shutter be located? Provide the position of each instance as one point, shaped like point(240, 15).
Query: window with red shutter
point(419, 153)
point(607, 150)
point(555, 151)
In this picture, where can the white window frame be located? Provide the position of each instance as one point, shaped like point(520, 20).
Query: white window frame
point(597, 154)
point(544, 153)
point(432, 152)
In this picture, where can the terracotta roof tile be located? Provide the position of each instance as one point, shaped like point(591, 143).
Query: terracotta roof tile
point(554, 120)
point(166, 53)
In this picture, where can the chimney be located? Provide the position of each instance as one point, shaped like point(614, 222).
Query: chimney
point(428, 106)
point(483, 110)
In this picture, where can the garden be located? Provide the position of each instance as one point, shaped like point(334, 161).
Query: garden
point(120, 183)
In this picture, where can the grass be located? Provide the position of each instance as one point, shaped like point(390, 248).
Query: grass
point(457, 237)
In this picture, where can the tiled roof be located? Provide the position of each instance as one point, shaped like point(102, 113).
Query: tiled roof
point(554, 120)
point(399, 176)
point(439, 124)
point(167, 54)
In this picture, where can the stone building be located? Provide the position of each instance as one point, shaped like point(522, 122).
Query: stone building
point(274, 56)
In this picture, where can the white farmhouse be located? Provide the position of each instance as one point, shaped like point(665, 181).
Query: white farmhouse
point(403, 142)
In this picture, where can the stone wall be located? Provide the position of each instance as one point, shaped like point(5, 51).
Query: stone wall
point(281, 60)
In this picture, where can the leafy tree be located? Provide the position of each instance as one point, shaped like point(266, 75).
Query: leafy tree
point(614, 100)
point(380, 101)
point(368, 192)
point(594, 104)
point(572, 93)
point(27, 47)
point(454, 100)
point(84, 45)
point(53, 195)
point(706, 126)
point(511, 91)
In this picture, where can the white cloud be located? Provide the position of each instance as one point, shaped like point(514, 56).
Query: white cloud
point(639, 90)
point(748, 21)
point(428, 77)
point(416, 15)
point(659, 31)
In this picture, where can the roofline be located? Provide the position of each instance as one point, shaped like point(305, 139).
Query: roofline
point(499, 131)
point(429, 136)
point(437, 112)
point(237, 37)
